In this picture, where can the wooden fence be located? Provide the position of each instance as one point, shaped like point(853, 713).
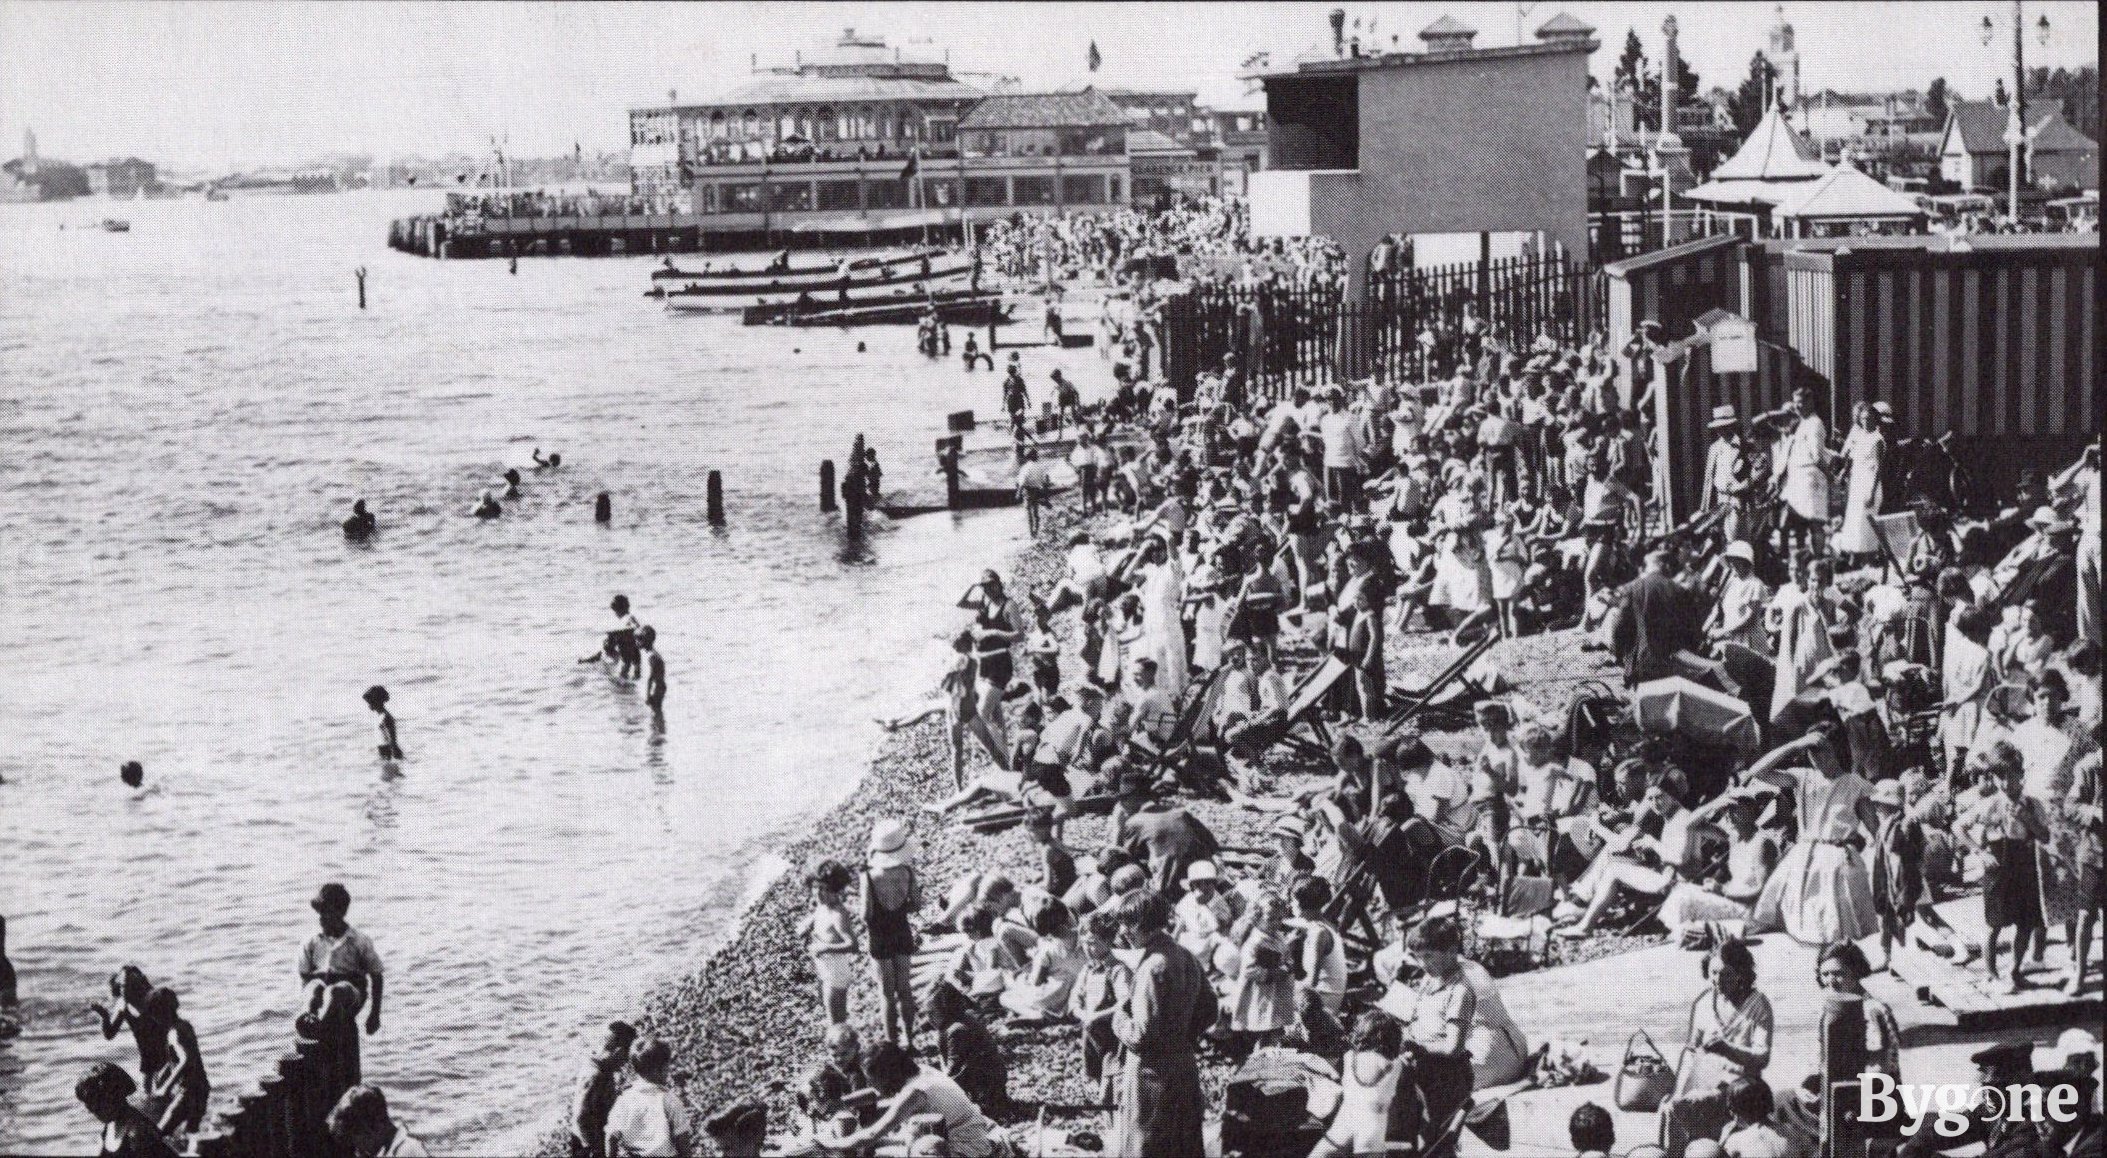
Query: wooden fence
point(1298, 337)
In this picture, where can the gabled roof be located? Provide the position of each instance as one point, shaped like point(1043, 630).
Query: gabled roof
point(1086, 109)
point(1448, 26)
point(1774, 151)
point(1846, 192)
point(1981, 125)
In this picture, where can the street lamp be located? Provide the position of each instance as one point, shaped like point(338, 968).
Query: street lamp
point(2016, 120)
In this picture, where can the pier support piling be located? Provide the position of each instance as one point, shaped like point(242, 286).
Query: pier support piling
point(362, 287)
point(716, 498)
point(826, 486)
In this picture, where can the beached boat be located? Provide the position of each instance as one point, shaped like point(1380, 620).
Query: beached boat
point(957, 307)
point(822, 267)
point(922, 270)
point(116, 225)
point(836, 295)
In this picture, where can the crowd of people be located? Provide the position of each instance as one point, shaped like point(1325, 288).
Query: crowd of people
point(1210, 235)
point(1911, 712)
point(550, 203)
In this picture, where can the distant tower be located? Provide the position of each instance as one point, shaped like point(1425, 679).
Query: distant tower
point(1670, 99)
point(1785, 59)
point(29, 152)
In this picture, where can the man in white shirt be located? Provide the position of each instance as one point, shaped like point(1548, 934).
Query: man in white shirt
point(648, 1120)
point(1252, 688)
point(1342, 455)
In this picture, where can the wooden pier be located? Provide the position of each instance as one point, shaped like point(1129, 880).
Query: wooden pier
point(454, 235)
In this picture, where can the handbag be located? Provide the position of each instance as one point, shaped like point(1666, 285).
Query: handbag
point(1644, 1078)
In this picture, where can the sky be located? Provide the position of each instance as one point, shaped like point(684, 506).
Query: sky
point(213, 85)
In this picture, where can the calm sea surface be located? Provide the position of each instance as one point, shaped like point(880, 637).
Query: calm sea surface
point(186, 413)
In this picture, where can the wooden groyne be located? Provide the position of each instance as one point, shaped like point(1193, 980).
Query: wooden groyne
point(286, 1114)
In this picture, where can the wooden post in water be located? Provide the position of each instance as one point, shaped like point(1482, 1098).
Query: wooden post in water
point(603, 508)
point(716, 498)
point(826, 486)
point(362, 287)
point(856, 488)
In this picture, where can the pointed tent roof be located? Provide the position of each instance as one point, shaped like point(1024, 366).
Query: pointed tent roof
point(1448, 26)
point(1846, 192)
point(1774, 151)
point(1567, 23)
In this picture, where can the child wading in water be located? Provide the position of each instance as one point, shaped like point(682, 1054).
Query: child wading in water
point(831, 939)
point(377, 698)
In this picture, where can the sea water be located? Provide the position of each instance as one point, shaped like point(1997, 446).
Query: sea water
point(188, 410)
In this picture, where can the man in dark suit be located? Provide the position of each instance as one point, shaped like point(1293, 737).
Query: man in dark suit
point(1660, 617)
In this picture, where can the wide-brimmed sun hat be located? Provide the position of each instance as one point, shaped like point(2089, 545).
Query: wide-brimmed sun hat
point(1740, 549)
point(890, 844)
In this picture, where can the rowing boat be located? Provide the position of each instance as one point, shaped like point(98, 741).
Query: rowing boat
point(824, 268)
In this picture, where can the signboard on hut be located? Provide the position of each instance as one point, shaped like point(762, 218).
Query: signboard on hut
point(1733, 340)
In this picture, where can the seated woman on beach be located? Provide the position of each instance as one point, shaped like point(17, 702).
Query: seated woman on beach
point(1041, 992)
point(909, 1089)
point(1693, 898)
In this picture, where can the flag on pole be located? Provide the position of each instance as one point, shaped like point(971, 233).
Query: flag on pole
point(1096, 57)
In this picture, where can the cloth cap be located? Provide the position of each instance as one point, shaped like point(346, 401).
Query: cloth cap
point(331, 898)
point(2005, 1055)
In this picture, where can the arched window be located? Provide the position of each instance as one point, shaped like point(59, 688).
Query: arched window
point(752, 121)
point(823, 126)
point(717, 129)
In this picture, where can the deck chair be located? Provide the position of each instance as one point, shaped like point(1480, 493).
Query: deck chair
point(1280, 730)
point(1180, 754)
point(1406, 703)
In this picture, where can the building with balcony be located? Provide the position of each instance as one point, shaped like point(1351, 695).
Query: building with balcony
point(1449, 140)
point(859, 137)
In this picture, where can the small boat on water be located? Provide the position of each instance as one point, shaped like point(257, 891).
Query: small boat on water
point(922, 269)
point(116, 225)
point(957, 308)
point(782, 267)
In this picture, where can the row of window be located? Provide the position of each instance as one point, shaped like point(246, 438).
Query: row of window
point(817, 124)
point(937, 193)
point(1109, 141)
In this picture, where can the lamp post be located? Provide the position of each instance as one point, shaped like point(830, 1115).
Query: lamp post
point(2016, 121)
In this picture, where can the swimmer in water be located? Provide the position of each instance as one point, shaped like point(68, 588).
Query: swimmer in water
point(361, 525)
point(377, 698)
point(132, 773)
point(550, 463)
point(511, 483)
point(654, 669)
point(488, 508)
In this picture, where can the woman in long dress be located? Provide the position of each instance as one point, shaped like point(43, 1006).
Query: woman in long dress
point(1804, 462)
point(1803, 636)
point(1163, 603)
point(1865, 450)
point(1821, 892)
